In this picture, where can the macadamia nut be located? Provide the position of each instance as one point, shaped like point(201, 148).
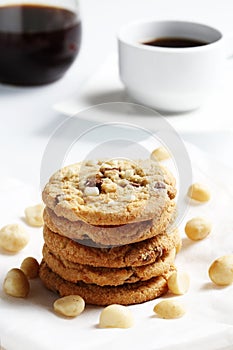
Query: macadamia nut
point(69, 306)
point(34, 215)
point(91, 191)
point(30, 267)
point(198, 228)
point(16, 284)
point(199, 192)
point(159, 154)
point(13, 238)
point(116, 316)
point(221, 270)
point(169, 309)
point(178, 282)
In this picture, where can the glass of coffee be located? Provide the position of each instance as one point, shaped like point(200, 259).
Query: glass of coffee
point(39, 40)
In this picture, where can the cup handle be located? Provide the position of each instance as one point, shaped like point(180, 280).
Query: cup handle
point(229, 46)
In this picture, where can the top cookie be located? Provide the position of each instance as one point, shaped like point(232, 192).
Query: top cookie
point(113, 192)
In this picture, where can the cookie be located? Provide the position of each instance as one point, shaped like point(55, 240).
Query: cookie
point(126, 294)
point(111, 235)
point(137, 254)
point(104, 276)
point(114, 192)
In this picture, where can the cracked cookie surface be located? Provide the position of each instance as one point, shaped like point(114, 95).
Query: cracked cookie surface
point(113, 192)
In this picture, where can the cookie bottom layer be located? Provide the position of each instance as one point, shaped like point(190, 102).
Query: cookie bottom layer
point(126, 294)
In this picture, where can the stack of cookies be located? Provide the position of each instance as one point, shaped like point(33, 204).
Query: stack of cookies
point(107, 231)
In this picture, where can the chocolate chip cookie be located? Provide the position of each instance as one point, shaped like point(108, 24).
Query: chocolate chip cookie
point(131, 255)
point(111, 192)
point(111, 235)
point(104, 276)
point(126, 294)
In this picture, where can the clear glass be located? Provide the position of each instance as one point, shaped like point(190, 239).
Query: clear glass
point(39, 40)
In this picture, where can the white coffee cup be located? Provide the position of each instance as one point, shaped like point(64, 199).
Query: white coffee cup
point(165, 78)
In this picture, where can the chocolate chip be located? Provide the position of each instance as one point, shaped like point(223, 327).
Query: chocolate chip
point(94, 182)
point(117, 169)
point(135, 184)
point(159, 185)
point(91, 181)
point(58, 198)
point(103, 169)
point(98, 182)
point(144, 182)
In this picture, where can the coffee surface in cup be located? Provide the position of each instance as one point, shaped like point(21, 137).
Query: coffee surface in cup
point(175, 42)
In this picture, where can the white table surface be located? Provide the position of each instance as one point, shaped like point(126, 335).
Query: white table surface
point(27, 118)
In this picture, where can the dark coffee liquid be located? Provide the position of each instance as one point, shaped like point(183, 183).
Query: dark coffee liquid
point(175, 42)
point(37, 43)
